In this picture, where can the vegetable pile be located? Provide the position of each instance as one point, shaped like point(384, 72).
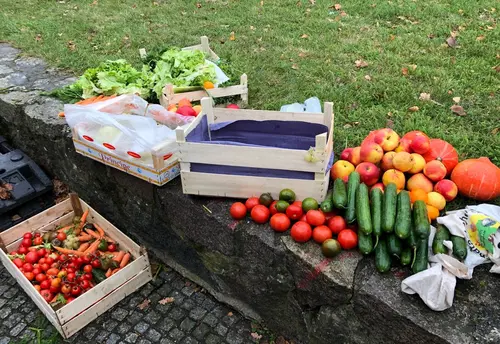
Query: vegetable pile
point(67, 262)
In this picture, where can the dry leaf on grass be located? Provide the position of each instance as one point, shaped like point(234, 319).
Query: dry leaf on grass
point(337, 6)
point(367, 77)
point(456, 99)
point(71, 45)
point(425, 96)
point(295, 66)
point(480, 38)
point(404, 70)
point(304, 36)
point(166, 300)
point(458, 110)
point(496, 68)
point(144, 304)
point(389, 123)
point(38, 37)
point(392, 37)
point(360, 64)
point(312, 2)
point(198, 5)
point(413, 66)
point(414, 109)
point(495, 131)
point(232, 37)
point(451, 41)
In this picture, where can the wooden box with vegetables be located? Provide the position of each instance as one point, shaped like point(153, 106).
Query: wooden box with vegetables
point(241, 153)
point(73, 263)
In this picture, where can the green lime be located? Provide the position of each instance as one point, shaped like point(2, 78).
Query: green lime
point(287, 195)
point(281, 206)
point(309, 204)
point(330, 248)
point(266, 199)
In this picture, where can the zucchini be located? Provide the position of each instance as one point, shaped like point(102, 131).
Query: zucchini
point(339, 196)
point(352, 187)
point(98, 275)
point(442, 234)
point(421, 220)
point(412, 239)
point(365, 243)
point(459, 247)
point(376, 211)
point(394, 245)
point(327, 205)
point(389, 208)
point(382, 257)
point(406, 256)
point(363, 209)
point(403, 216)
point(422, 255)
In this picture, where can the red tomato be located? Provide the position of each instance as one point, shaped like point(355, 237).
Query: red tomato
point(63, 258)
point(45, 284)
point(96, 263)
point(272, 208)
point(280, 222)
point(40, 277)
point(71, 276)
point(37, 287)
point(70, 299)
point(79, 261)
point(76, 290)
point(52, 272)
point(85, 284)
point(62, 274)
point(238, 211)
point(18, 262)
point(36, 271)
point(87, 268)
point(27, 236)
point(297, 203)
point(38, 241)
point(70, 269)
point(294, 212)
point(37, 235)
point(252, 202)
point(72, 266)
point(321, 233)
point(28, 267)
point(22, 250)
point(88, 259)
point(30, 276)
point(315, 218)
point(87, 276)
point(41, 260)
point(56, 282)
point(329, 215)
point(301, 231)
point(61, 236)
point(54, 290)
point(47, 295)
point(348, 239)
point(260, 214)
point(31, 257)
point(112, 247)
point(66, 289)
point(49, 260)
point(26, 242)
point(45, 266)
point(303, 218)
point(336, 224)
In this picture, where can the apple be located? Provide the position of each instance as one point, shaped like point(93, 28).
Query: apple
point(371, 152)
point(394, 176)
point(386, 163)
point(418, 163)
point(404, 146)
point(197, 109)
point(368, 172)
point(403, 161)
point(447, 188)
point(341, 169)
point(355, 156)
point(387, 138)
point(409, 136)
point(379, 186)
point(420, 144)
point(232, 106)
point(172, 108)
point(419, 181)
point(370, 138)
point(435, 170)
point(345, 154)
point(436, 200)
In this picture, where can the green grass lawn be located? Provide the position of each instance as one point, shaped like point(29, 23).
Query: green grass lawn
point(292, 50)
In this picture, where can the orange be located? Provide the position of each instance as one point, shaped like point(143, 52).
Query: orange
point(418, 195)
point(432, 212)
point(197, 109)
point(208, 85)
point(184, 102)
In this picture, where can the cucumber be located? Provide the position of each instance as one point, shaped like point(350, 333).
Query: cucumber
point(339, 196)
point(327, 204)
point(412, 239)
point(363, 209)
point(389, 208)
point(459, 247)
point(365, 243)
point(421, 220)
point(442, 234)
point(382, 257)
point(352, 187)
point(98, 275)
point(403, 216)
point(422, 255)
point(406, 256)
point(394, 245)
point(376, 211)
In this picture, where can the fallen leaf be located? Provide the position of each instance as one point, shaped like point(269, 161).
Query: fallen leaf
point(367, 77)
point(166, 300)
point(389, 123)
point(347, 126)
point(392, 37)
point(337, 6)
point(480, 38)
point(252, 28)
point(198, 5)
point(294, 66)
point(389, 114)
point(38, 37)
point(404, 70)
point(232, 37)
point(255, 335)
point(431, 36)
point(312, 2)
point(458, 110)
point(144, 304)
point(456, 99)
point(304, 36)
point(230, 314)
point(414, 109)
point(94, 3)
point(360, 64)
point(413, 66)
point(495, 131)
point(71, 45)
point(425, 96)
point(496, 68)
point(343, 14)
point(451, 41)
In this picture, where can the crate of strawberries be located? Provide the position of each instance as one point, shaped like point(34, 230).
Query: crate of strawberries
point(73, 263)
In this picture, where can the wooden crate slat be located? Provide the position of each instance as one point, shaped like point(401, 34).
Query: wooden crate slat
point(225, 115)
point(35, 222)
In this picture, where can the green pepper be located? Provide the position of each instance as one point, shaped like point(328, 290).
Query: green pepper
point(103, 246)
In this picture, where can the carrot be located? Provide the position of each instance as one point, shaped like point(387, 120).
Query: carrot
point(108, 239)
point(85, 237)
point(64, 229)
point(61, 114)
point(99, 229)
point(83, 247)
point(93, 247)
point(119, 256)
point(67, 251)
point(115, 271)
point(94, 234)
point(125, 260)
point(108, 273)
point(84, 218)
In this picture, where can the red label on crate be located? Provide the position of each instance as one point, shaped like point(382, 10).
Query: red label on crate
point(134, 154)
point(108, 146)
point(166, 156)
point(88, 138)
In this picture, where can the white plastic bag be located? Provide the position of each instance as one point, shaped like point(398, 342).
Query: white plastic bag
point(170, 119)
point(310, 105)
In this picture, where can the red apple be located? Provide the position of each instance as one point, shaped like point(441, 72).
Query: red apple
point(379, 186)
point(371, 152)
point(345, 154)
point(368, 172)
point(232, 106)
point(354, 156)
point(387, 138)
point(420, 144)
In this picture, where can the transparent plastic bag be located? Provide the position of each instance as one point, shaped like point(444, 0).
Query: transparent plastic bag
point(170, 119)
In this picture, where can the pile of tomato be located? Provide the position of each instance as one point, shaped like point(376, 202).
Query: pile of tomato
point(312, 223)
point(59, 278)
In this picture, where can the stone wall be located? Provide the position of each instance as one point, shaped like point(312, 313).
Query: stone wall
point(291, 287)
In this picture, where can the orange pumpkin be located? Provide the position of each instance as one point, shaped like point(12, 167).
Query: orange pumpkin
point(444, 152)
point(477, 179)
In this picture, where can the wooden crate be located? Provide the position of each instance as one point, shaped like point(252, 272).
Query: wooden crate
point(240, 186)
point(170, 97)
point(74, 316)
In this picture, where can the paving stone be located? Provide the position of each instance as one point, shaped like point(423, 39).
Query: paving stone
point(178, 297)
point(221, 330)
point(123, 328)
point(143, 341)
point(17, 329)
point(152, 317)
point(2, 302)
point(188, 291)
point(131, 337)
point(177, 313)
point(89, 332)
point(153, 335)
point(109, 324)
point(219, 311)
point(3, 288)
point(201, 331)
point(188, 304)
point(166, 341)
point(12, 320)
point(164, 290)
point(208, 304)
point(197, 313)
point(234, 338)
point(210, 320)
point(190, 340)
point(135, 301)
point(176, 334)
point(178, 284)
point(134, 318)
point(119, 314)
point(101, 336)
point(147, 289)
point(230, 320)
point(167, 324)
point(11, 292)
point(154, 298)
point(141, 327)
point(4, 340)
point(213, 339)
point(199, 298)
point(113, 339)
point(4, 312)
point(187, 325)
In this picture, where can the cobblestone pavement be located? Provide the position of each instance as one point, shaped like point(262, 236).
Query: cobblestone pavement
point(189, 316)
